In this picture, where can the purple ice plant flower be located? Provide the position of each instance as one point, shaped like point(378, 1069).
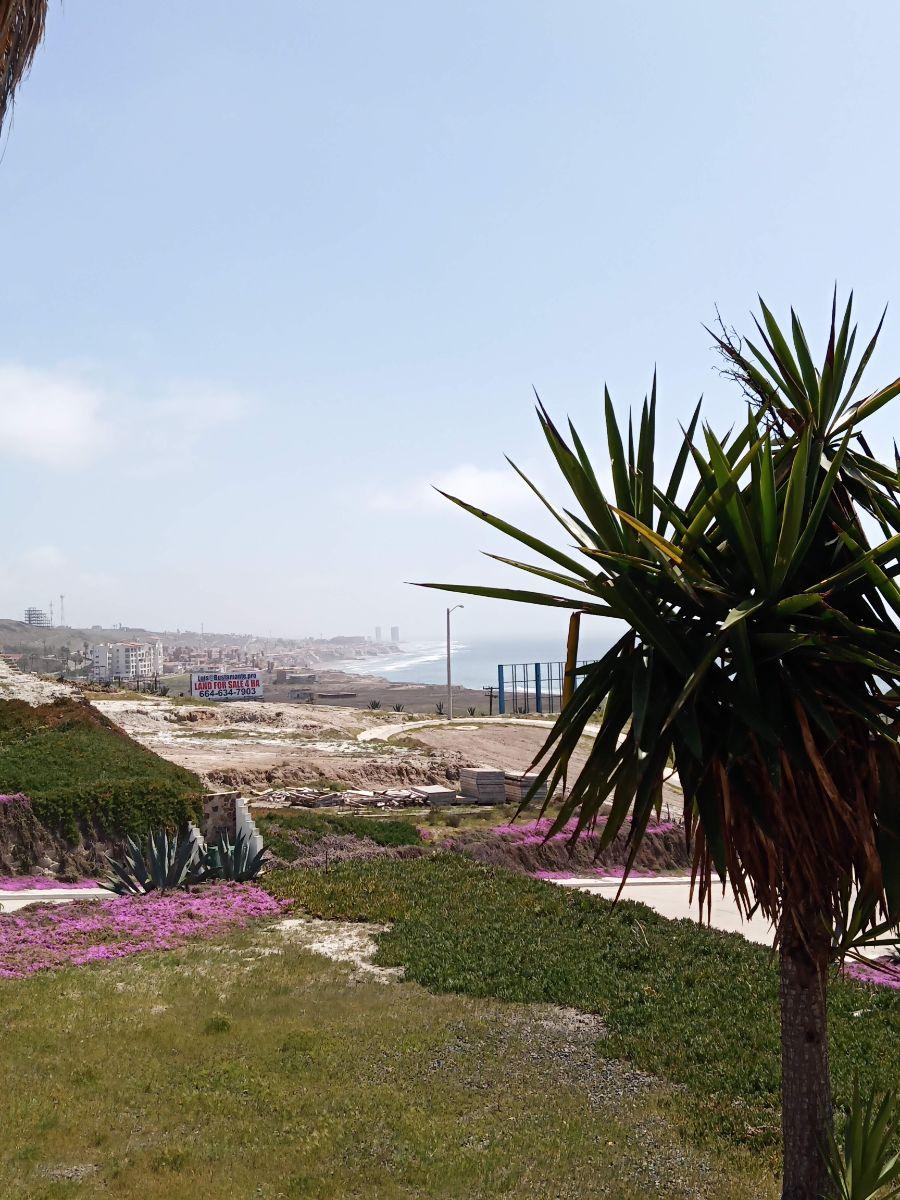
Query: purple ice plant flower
point(879, 971)
point(46, 937)
point(534, 833)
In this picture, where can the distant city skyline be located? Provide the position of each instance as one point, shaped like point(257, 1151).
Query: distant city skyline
point(247, 328)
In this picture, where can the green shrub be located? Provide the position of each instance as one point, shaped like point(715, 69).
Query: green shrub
point(82, 772)
point(312, 826)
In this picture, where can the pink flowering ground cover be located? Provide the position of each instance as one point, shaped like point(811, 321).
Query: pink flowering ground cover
point(534, 833)
point(46, 937)
point(23, 883)
point(881, 971)
point(531, 848)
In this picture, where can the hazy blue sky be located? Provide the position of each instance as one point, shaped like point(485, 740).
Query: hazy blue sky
point(271, 269)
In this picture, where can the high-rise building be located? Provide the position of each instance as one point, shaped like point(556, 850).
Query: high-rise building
point(37, 616)
point(395, 633)
point(377, 633)
point(126, 660)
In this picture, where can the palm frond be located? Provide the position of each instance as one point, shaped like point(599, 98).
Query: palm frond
point(22, 24)
point(764, 649)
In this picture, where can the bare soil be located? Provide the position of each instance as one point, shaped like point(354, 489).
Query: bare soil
point(504, 747)
point(33, 689)
point(264, 745)
point(514, 748)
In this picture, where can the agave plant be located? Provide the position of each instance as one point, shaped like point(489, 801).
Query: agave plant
point(158, 863)
point(857, 926)
point(439, 708)
point(471, 710)
point(235, 860)
point(867, 1165)
point(761, 653)
point(398, 707)
point(374, 704)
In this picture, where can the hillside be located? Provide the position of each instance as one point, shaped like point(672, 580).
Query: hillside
point(84, 775)
point(17, 637)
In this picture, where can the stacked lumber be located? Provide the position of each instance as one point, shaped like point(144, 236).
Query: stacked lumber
point(436, 794)
point(482, 785)
point(519, 783)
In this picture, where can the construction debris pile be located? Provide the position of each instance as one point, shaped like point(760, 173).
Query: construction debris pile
point(477, 785)
point(361, 798)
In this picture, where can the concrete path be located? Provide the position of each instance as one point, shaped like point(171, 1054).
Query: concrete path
point(10, 901)
point(380, 733)
point(670, 897)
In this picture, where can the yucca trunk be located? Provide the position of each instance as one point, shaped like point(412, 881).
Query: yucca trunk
point(806, 1104)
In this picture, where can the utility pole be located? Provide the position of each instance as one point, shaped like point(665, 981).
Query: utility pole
point(62, 610)
point(449, 678)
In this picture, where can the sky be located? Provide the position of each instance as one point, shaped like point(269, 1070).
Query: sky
point(273, 272)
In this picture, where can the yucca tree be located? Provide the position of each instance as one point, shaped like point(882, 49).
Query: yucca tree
point(762, 654)
point(22, 25)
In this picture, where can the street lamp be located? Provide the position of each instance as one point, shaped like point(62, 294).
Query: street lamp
point(449, 685)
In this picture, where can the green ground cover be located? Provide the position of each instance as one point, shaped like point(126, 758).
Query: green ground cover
point(249, 1067)
point(282, 828)
point(693, 1006)
point(81, 771)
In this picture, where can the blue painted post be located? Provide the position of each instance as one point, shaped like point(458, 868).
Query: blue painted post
point(501, 691)
point(538, 703)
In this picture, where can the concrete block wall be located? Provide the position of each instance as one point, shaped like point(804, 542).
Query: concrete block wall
point(244, 823)
point(229, 812)
point(219, 814)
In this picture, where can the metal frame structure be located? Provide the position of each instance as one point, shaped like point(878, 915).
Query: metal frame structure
point(530, 687)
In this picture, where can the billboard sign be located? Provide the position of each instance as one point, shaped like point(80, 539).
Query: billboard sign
point(226, 685)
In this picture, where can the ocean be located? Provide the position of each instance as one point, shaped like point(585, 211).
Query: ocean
point(474, 662)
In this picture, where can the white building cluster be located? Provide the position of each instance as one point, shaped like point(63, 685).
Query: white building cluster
point(126, 660)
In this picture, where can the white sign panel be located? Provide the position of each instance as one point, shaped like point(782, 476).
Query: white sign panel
point(226, 685)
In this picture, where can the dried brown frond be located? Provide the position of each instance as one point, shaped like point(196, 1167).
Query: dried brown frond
point(22, 24)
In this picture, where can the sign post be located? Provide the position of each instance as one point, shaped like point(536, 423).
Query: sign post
point(226, 685)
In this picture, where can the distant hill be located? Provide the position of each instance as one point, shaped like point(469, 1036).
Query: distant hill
point(16, 636)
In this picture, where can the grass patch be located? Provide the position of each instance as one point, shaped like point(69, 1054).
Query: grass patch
point(694, 1006)
point(81, 771)
point(229, 1071)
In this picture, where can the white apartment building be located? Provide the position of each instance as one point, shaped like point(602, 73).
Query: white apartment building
point(126, 660)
